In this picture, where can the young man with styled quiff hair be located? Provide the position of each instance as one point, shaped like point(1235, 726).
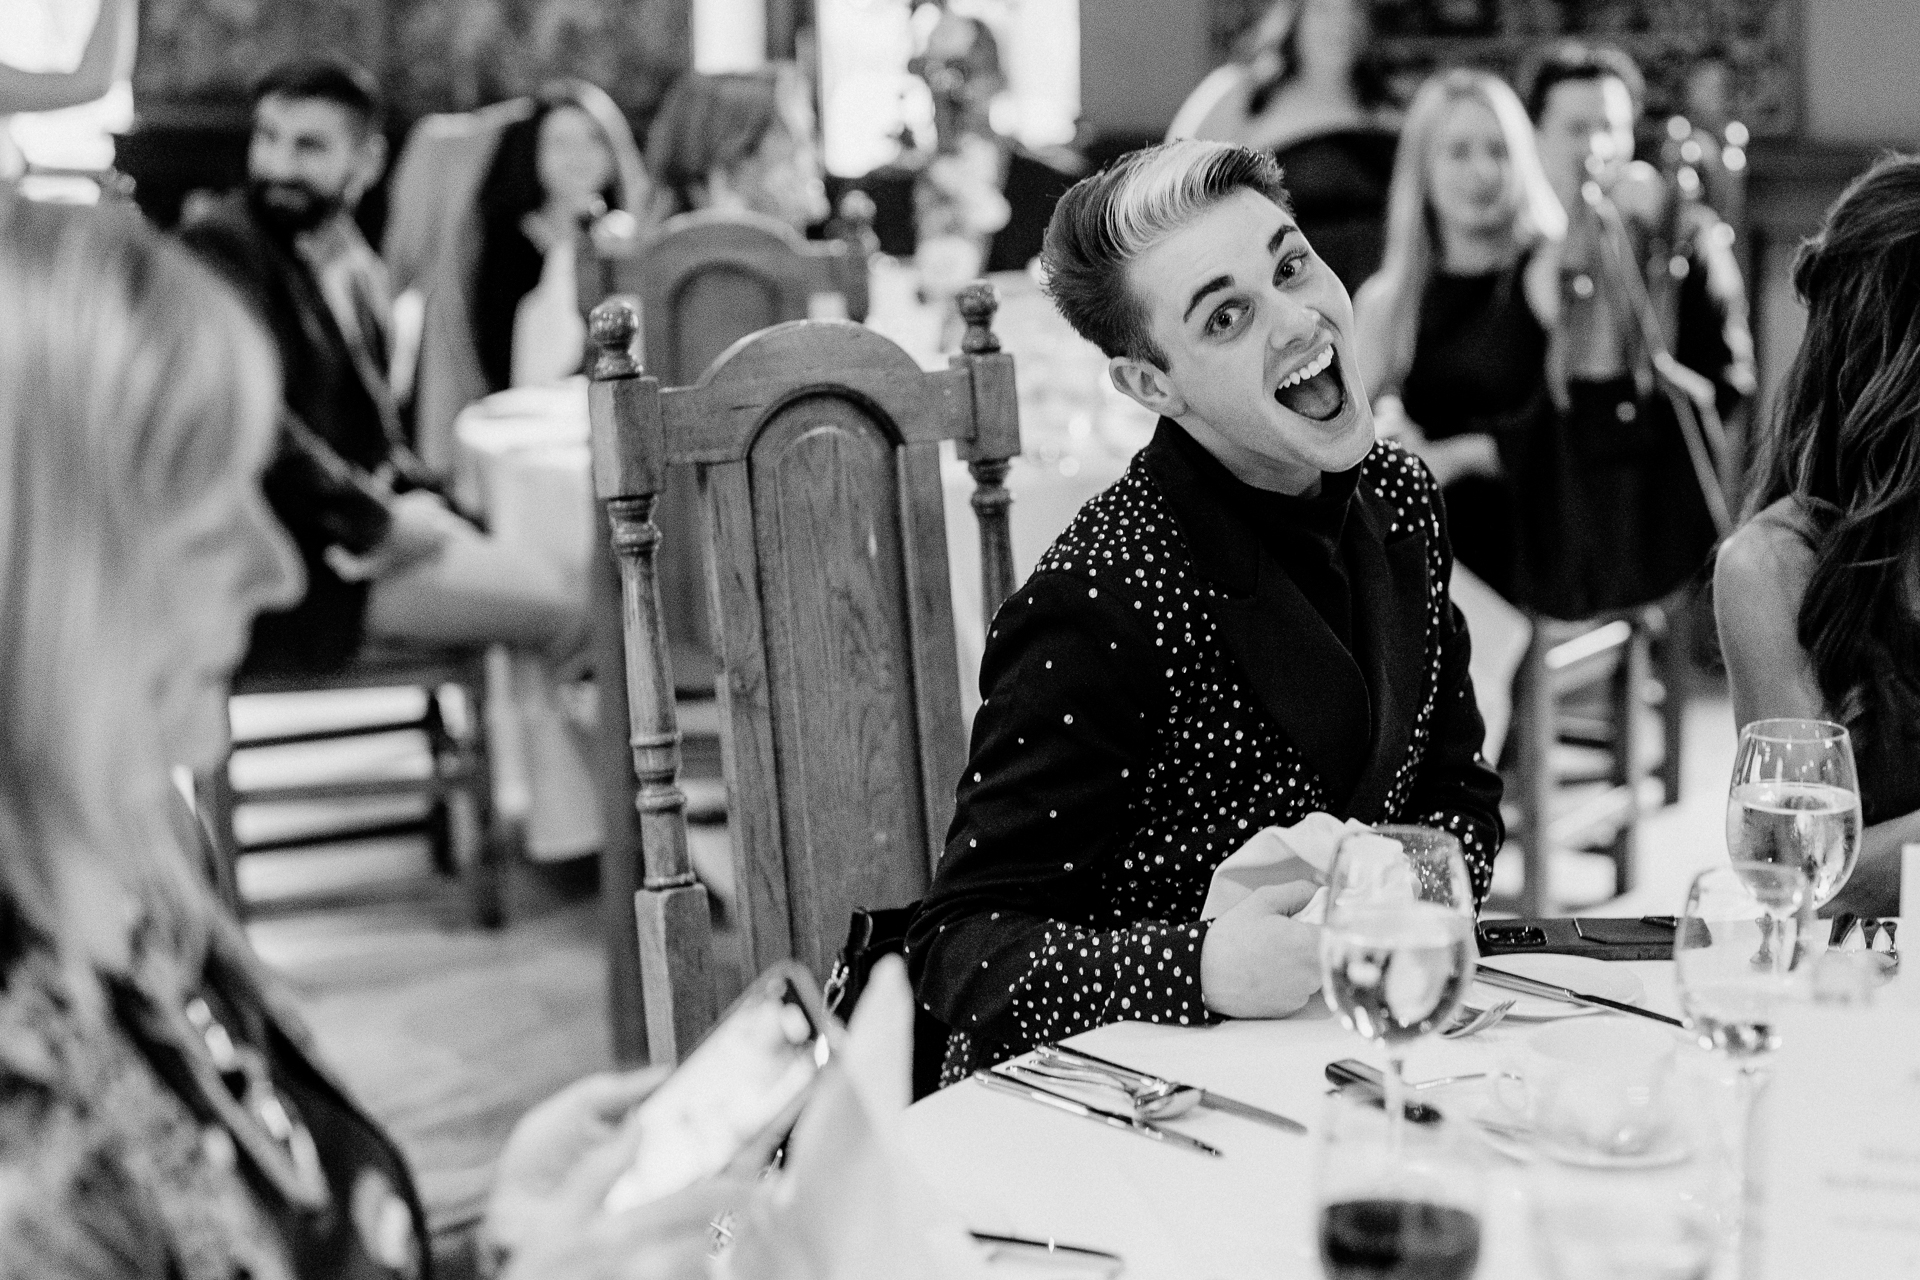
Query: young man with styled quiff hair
point(1251, 626)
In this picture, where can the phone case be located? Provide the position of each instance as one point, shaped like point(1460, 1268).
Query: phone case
point(1602, 938)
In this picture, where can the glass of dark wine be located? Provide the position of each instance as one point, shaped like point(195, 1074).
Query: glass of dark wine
point(1795, 801)
point(1395, 1209)
point(1397, 951)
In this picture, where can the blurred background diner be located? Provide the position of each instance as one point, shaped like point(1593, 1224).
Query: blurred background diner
point(1571, 232)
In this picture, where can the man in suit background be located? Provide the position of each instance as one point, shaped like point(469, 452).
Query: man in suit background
point(385, 557)
point(1251, 626)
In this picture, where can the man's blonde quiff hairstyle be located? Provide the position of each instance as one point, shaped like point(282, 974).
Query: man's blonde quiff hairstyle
point(1108, 220)
point(135, 388)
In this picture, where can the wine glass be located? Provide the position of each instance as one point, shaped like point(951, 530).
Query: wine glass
point(1397, 952)
point(1392, 1207)
point(1795, 801)
point(1735, 953)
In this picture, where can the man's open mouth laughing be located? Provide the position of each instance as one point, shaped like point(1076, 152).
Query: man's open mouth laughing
point(1315, 390)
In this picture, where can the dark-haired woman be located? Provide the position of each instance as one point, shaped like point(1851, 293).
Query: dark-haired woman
point(1302, 86)
point(486, 211)
point(1818, 592)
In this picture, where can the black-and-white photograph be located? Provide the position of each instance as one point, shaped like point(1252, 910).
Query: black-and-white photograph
point(952, 639)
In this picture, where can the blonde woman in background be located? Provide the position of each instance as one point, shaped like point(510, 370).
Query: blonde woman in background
point(1453, 332)
point(161, 1110)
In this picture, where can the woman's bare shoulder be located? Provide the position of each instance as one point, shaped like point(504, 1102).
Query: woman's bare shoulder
point(1770, 553)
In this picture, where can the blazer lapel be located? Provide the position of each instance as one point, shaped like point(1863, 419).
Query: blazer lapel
point(1292, 662)
point(1390, 601)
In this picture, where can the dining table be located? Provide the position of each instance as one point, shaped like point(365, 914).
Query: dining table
point(1009, 1166)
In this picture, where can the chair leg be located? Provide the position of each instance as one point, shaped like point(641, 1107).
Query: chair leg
point(1534, 731)
point(1671, 659)
point(1623, 694)
point(485, 872)
point(213, 793)
point(446, 753)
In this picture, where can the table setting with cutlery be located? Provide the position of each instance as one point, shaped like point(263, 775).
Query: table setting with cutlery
point(1440, 1113)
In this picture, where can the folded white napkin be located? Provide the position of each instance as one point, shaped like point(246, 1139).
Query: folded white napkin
point(1284, 855)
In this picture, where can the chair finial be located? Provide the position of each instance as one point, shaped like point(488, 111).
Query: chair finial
point(978, 302)
point(613, 326)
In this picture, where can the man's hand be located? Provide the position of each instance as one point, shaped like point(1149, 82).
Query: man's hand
point(420, 529)
point(1259, 962)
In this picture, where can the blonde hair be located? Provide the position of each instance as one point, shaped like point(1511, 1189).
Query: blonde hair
point(1393, 294)
point(134, 390)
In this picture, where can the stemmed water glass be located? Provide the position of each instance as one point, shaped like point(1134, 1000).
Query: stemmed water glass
point(1795, 801)
point(1735, 952)
point(1397, 952)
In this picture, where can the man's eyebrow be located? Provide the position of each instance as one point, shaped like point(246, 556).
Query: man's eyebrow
point(1223, 282)
point(1212, 286)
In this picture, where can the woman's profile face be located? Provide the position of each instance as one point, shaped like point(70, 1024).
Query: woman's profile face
point(216, 567)
point(573, 160)
point(1469, 173)
point(781, 179)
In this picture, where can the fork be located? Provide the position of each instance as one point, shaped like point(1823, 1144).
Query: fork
point(1478, 1022)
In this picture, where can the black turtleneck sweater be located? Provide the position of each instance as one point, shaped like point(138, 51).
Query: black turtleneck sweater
point(1301, 533)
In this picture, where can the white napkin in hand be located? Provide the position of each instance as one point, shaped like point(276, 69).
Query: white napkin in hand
point(1282, 855)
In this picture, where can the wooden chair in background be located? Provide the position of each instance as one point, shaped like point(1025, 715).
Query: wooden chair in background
point(1580, 770)
point(465, 834)
point(817, 448)
point(705, 281)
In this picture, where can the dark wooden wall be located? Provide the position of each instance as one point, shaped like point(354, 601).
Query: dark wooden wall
point(432, 55)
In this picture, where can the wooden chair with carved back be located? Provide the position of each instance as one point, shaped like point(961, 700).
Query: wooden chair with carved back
point(816, 447)
point(703, 281)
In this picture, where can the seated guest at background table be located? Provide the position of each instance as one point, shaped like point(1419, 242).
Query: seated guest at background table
point(485, 209)
point(739, 142)
point(1585, 101)
point(1251, 626)
point(385, 557)
point(1302, 85)
point(1453, 331)
point(1818, 592)
point(162, 1113)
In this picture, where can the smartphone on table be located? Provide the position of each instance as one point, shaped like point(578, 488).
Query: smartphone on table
point(730, 1104)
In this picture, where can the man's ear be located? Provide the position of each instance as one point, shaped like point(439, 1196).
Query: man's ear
point(370, 161)
point(1146, 385)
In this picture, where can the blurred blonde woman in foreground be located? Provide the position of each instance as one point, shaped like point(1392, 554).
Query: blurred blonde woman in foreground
point(161, 1112)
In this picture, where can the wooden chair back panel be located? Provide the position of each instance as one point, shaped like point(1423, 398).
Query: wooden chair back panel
point(708, 312)
point(817, 455)
point(830, 537)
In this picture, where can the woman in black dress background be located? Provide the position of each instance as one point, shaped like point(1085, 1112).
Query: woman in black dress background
point(1454, 329)
point(1302, 86)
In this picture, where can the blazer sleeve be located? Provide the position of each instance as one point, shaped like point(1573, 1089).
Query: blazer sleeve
point(1009, 943)
point(1455, 788)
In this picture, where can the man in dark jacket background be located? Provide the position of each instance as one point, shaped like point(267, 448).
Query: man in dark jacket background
point(385, 557)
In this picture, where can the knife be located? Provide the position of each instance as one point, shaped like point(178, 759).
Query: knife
point(1535, 987)
point(1073, 1106)
point(1208, 1098)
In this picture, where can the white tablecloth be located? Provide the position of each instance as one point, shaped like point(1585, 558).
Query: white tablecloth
point(1008, 1165)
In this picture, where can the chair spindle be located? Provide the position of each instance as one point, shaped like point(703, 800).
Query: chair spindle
point(990, 453)
point(671, 909)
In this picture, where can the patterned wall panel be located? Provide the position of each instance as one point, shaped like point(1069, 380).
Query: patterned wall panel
point(1757, 42)
point(432, 55)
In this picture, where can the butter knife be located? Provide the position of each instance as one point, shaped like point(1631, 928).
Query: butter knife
point(1073, 1106)
point(1208, 1098)
point(1534, 987)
